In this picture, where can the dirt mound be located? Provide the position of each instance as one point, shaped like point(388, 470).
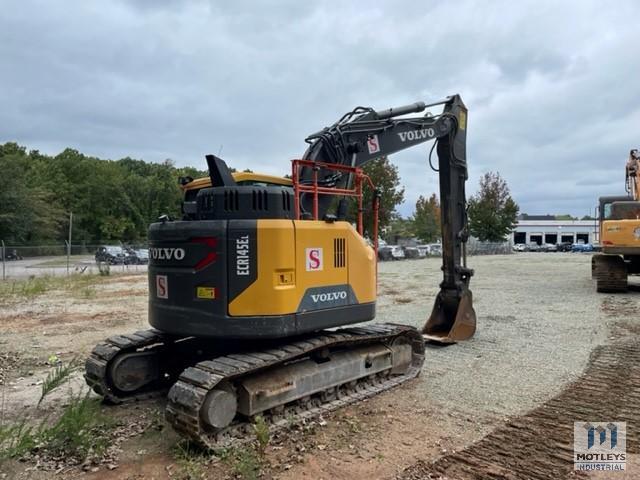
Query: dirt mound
point(539, 445)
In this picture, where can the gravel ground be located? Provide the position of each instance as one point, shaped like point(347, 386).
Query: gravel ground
point(538, 320)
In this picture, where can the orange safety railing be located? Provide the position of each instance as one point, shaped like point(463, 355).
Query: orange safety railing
point(360, 180)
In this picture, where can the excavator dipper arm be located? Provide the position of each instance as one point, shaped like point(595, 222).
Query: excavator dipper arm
point(364, 135)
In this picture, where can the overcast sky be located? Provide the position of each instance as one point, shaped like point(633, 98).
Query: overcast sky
point(553, 88)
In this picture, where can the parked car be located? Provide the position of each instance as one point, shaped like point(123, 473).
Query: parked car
point(435, 249)
point(550, 247)
point(10, 254)
point(143, 255)
point(424, 250)
point(397, 253)
point(533, 247)
point(519, 247)
point(564, 247)
point(111, 254)
point(390, 252)
point(411, 252)
point(137, 257)
point(582, 247)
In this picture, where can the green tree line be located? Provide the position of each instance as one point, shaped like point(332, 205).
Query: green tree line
point(116, 200)
point(110, 199)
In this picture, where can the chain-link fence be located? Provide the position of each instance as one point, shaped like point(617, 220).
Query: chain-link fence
point(24, 261)
point(476, 247)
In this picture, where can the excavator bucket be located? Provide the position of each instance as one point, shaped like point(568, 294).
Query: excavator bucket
point(452, 319)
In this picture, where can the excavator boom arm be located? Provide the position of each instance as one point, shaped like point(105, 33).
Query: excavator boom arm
point(633, 174)
point(364, 135)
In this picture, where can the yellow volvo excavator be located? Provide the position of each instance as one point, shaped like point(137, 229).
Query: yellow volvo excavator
point(245, 291)
point(619, 223)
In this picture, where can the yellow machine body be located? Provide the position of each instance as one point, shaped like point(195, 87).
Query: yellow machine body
point(307, 265)
point(616, 236)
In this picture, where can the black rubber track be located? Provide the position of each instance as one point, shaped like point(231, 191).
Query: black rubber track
point(188, 394)
point(610, 273)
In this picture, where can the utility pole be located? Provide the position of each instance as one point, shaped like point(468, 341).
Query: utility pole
point(69, 241)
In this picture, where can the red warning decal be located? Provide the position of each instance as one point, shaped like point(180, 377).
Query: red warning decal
point(373, 144)
point(314, 259)
point(162, 286)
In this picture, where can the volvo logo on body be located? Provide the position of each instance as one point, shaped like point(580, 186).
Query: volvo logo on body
point(329, 297)
point(166, 253)
point(413, 135)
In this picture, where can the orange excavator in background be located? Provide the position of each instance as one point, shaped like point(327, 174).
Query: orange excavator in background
point(619, 223)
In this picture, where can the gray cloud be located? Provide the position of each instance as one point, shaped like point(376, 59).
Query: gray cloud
point(551, 87)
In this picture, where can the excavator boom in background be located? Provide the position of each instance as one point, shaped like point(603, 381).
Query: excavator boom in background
point(246, 289)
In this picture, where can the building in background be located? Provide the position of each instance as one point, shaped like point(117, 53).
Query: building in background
point(546, 229)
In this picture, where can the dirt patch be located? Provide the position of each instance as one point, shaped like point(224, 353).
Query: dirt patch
point(403, 300)
point(620, 307)
point(124, 293)
point(9, 361)
point(29, 322)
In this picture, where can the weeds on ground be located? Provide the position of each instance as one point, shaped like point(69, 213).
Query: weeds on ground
point(16, 440)
point(79, 431)
point(248, 462)
point(245, 463)
point(88, 292)
point(261, 429)
point(190, 460)
point(56, 377)
point(79, 285)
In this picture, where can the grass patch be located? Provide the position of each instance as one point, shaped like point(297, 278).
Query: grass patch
point(88, 292)
point(261, 429)
point(17, 440)
point(56, 377)
point(191, 460)
point(245, 463)
point(77, 284)
point(79, 431)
